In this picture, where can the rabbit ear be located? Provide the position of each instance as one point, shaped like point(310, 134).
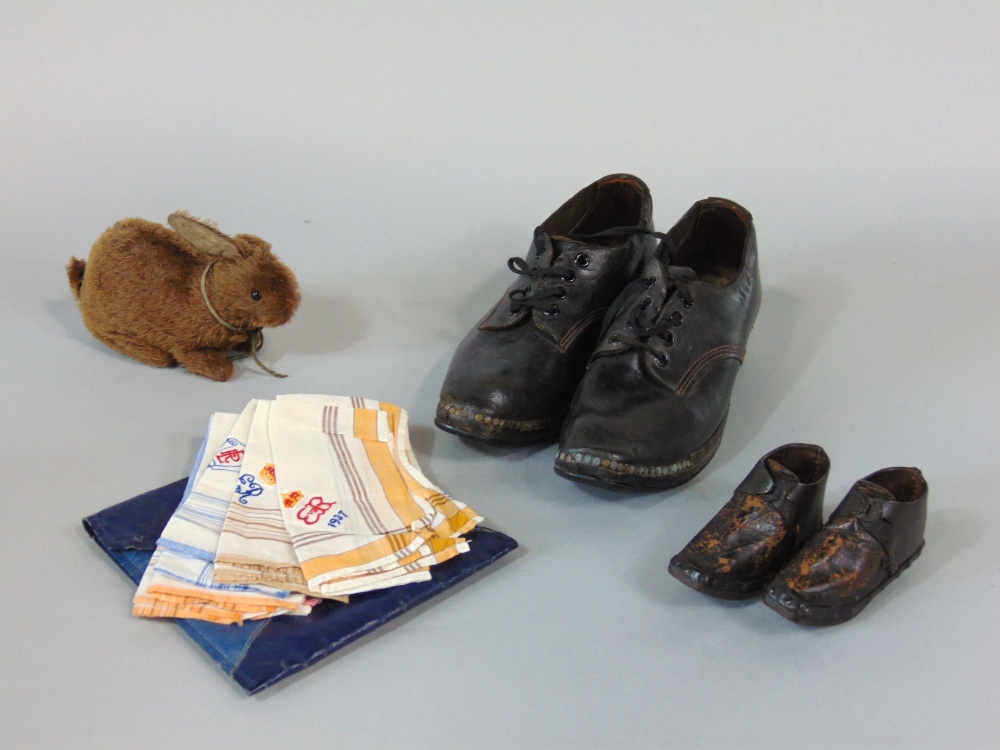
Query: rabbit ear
point(203, 236)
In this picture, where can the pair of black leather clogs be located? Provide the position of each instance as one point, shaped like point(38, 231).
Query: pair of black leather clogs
point(770, 540)
point(624, 341)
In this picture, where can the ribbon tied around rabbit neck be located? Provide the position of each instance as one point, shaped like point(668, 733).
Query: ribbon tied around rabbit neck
point(256, 334)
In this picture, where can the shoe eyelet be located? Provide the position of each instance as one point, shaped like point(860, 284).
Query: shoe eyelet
point(661, 360)
point(613, 339)
point(687, 305)
point(569, 277)
point(677, 318)
point(669, 339)
point(648, 282)
point(561, 293)
point(582, 260)
point(553, 312)
point(645, 302)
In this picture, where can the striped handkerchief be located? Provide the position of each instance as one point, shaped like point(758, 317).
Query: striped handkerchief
point(254, 545)
point(193, 530)
point(360, 513)
point(179, 581)
point(184, 600)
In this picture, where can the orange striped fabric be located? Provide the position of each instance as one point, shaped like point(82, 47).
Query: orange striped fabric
point(384, 515)
point(329, 501)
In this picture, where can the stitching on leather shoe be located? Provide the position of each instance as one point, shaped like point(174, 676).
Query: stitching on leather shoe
point(720, 352)
point(453, 411)
point(579, 327)
point(585, 457)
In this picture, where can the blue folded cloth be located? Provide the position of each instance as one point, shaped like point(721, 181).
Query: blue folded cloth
point(260, 653)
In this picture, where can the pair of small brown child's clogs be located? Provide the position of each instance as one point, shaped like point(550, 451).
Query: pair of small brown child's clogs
point(770, 539)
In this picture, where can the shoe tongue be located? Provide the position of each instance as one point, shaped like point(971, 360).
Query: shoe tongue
point(661, 287)
point(562, 245)
point(781, 473)
point(872, 490)
point(767, 476)
point(865, 499)
point(656, 271)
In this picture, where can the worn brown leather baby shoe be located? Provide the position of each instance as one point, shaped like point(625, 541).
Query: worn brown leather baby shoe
point(650, 411)
point(777, 507)
point(513, 376)
point(872, 536)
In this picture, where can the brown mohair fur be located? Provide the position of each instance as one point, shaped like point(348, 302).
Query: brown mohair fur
point(139, 293)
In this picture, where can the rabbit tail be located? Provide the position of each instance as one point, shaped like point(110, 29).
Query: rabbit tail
point(74, 270)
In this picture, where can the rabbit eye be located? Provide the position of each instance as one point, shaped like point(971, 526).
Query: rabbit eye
point(256, 295)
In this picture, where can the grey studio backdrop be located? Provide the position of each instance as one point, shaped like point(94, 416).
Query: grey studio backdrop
point(396, 154)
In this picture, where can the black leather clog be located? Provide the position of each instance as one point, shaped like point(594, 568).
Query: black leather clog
point(513, 376)
point(650, 410)
point(875, 533)
point(774, 510)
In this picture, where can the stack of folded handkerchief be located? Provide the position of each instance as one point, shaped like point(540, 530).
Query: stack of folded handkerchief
point(295, 500)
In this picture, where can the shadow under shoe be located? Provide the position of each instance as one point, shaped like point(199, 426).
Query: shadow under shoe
point(773, 511)
point(875, 533)
point(651, 409)
point(513, 376)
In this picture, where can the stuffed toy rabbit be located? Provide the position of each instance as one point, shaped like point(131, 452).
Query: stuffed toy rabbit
point(189, 295)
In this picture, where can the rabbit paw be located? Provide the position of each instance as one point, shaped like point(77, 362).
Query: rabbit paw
point(211, 363)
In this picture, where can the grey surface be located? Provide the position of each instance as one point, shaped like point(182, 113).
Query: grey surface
point(396, 155)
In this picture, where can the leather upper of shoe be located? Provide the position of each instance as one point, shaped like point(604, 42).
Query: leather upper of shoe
point(524, 359)
point(777, 506)
point(658, 384)
point(878, 527)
